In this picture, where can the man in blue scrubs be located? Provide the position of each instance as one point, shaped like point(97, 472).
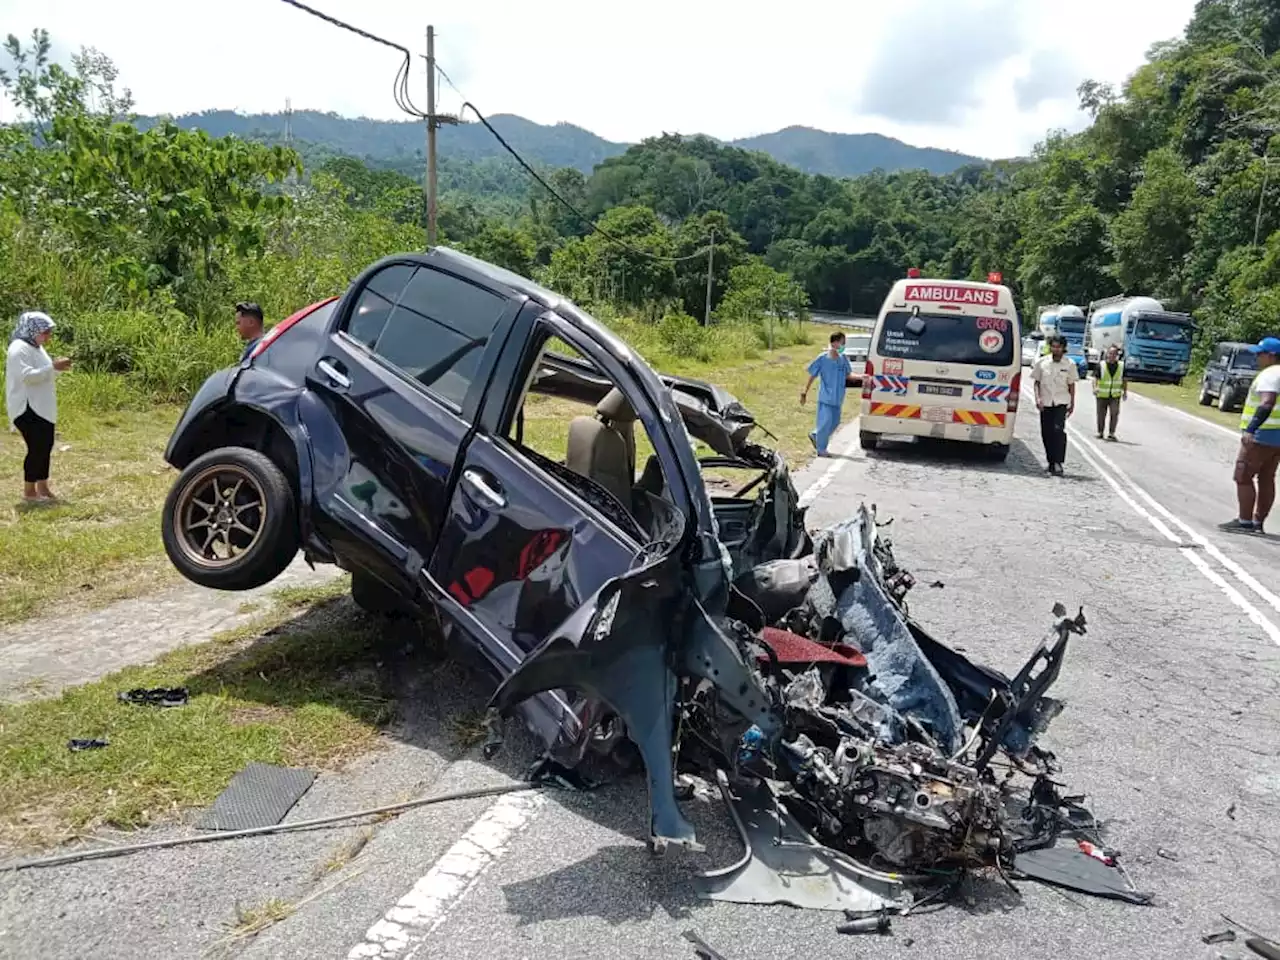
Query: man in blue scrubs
point(832, 369)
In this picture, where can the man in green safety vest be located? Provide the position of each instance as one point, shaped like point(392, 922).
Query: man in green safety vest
point(1110, 386)
point(1259, 454)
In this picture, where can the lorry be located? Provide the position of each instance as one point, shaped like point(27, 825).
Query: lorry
point(1067, 320)
point(1155, 343)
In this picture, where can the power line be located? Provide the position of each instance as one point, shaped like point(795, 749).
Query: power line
point(400, 91)
point(583, 218)
point(400, 87)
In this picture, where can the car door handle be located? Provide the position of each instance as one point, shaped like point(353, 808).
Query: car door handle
point(477, 482)
point(336, 376)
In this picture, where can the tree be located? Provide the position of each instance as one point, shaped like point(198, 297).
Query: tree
point(1152, 237)
point(758, 294)
point(692, 243)
point(505, 246)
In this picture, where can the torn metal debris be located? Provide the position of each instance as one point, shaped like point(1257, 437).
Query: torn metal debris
point(857, 754)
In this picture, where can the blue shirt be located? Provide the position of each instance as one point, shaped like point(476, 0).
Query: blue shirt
point(832, 373)
point(1268, 438)
point(248, 349)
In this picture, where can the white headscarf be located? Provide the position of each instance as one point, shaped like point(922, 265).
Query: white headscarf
point(30, 325)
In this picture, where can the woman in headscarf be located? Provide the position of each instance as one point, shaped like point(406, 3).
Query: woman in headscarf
point(31, 401)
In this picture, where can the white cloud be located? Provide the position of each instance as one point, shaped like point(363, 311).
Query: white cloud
point(987, 77)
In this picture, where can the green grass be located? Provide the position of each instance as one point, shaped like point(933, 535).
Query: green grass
point(1186, 397)
point(103, 543)
point(301, 690)
point(299, 686)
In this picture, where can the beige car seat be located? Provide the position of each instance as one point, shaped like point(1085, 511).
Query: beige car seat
point(603, 447)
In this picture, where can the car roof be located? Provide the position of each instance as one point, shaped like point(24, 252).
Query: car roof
point(507, 283)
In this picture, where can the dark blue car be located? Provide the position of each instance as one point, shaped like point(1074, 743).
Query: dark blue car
point(586, 556)
point(384, 431)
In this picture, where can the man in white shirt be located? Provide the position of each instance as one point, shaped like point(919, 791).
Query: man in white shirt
point(1055, 378)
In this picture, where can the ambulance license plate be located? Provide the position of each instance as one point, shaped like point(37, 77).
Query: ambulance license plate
point(937, 414)
point(939, 390)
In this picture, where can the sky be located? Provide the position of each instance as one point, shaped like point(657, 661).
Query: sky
point(984, 77)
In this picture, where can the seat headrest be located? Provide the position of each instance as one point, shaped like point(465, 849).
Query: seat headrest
point(615, 407)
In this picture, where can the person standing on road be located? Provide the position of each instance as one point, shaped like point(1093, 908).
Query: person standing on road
point(833, 370)
point(31, 401)
point(1259, 454)
point(1055, 378)
point(1110, 386)
point(249, 325)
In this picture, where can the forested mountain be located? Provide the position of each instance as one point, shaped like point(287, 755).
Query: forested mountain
point(851, 154)
point(399, 144)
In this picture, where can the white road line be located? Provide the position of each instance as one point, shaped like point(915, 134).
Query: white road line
point(1235, 434)
point(837, 464)
point(405, 927)
point(1192, 555)
point(1239, 572)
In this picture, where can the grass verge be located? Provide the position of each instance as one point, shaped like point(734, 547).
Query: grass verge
point(299, 690)
point(103, 544)
point(1186, 397)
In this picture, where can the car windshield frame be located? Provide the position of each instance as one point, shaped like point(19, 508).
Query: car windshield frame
point(1243, 361)
point(895, 323)
point(1186, 330)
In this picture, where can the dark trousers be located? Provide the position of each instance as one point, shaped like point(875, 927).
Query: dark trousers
point(1053, 430)
point(1108, 405)
point(38, 433)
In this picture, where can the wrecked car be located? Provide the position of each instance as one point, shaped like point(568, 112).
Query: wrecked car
point(384, 431)
point(419, 431)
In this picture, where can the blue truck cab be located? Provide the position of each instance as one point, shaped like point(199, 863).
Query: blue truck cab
point(1069, 321)
point(1155, 343)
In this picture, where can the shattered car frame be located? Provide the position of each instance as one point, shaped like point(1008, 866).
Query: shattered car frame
point(712, 631)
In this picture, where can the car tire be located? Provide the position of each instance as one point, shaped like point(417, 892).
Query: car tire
point(1206, 398)
point(868, 440)
point(999, 452)
point(259, 523)
point(1226, 399)
point(373, 596)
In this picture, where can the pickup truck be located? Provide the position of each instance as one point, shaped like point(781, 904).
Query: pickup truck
point(388, 431)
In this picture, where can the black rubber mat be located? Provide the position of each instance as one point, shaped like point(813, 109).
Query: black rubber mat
point(258, 796)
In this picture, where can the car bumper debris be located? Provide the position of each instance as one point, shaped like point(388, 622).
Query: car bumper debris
point(863, 762)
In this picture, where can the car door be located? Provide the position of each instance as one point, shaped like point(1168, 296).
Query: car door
point(525, 540)
point(1218, 370)
point(407, 357)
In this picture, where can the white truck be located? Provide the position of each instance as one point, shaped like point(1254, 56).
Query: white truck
point(1155, 344)
point(1106, 326)
point(1068, 320)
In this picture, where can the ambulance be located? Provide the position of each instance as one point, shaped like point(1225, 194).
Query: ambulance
point(945, 362)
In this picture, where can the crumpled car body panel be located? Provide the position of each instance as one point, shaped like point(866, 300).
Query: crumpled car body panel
point(689, 615)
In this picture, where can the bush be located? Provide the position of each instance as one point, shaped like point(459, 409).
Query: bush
point(160, 355)
point(683, 336)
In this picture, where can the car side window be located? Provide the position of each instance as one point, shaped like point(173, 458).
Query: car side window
point(438, 331)
point(379, 296)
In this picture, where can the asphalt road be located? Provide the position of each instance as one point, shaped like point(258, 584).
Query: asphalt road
point(1173, 708)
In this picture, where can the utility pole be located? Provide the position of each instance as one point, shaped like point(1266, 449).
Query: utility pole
point(711, 256)
point(434, 120)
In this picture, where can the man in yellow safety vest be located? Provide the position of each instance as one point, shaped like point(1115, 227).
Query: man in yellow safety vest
point(1110, 386)
point(1259, 454)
